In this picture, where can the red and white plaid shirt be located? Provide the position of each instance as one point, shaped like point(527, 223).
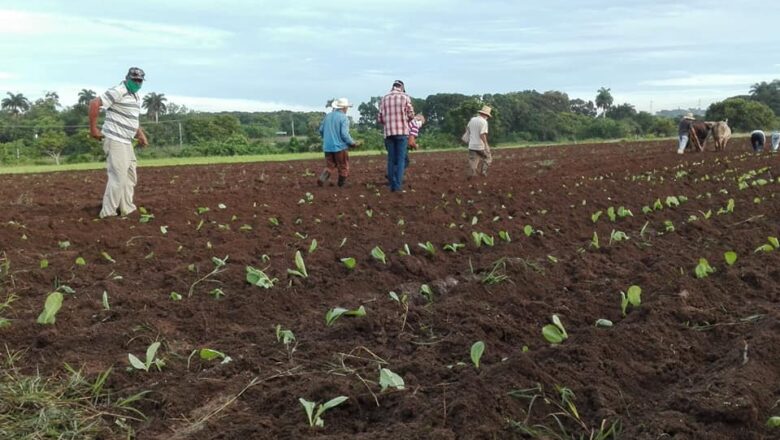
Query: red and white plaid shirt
point(395, 112)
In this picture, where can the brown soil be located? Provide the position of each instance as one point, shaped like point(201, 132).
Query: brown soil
point(700, 358)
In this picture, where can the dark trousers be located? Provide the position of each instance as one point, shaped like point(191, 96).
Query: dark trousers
point(757, 139)
point(396, 160)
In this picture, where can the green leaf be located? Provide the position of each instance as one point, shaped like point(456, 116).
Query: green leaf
point(333, 314)
point(44, 263)
point(603, 323)
point(151, 352)
point(106, 306)
point(336, 401)
point(378, 254)
point(774, 242)
point(731, 257)
point(557, 321)
point(209, 354)
point(313, 245)
point(50, 308)
point(388, 379)
point(300, 264)
point(309, 407)
point(349, 262)
point(136, 363)
point(595, 216)
point(81, 262)
point(635, 295)
point(773, 422)
point(257, 277)
point(611, 214)
point(552, 334)
point(477, 349)
point(528, 230)
point(175, 296)
point(359, 312)
point(623, 303)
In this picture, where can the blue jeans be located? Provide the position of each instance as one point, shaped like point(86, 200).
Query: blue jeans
point(396, 160)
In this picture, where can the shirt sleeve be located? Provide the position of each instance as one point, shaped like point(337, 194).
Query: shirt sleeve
point(111, 96)
point(484, 128)
point(322, 126)
point(409, 109)
point(345, 131)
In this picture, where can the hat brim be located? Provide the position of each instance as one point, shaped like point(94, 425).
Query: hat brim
point(483, 113)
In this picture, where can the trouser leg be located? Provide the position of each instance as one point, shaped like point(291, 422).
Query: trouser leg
point(117, 164)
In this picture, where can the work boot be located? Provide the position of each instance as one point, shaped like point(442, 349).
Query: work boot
point(324, 176)
point(342, 179)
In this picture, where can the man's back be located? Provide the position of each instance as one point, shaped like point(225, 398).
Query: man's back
point(395, 112)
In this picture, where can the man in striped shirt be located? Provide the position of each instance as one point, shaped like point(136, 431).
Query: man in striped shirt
point(395, 112)
point(121, 126)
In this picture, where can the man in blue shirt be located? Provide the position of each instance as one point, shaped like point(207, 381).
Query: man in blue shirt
point(336, 142)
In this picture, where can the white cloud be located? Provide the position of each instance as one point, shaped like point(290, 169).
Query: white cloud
point(206, 104)
point(710, 80)
point(6, 76)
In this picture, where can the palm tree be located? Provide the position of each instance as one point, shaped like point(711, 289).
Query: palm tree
point(155, 104)
point(85, 96)
point(604, 100)
point(15, 104)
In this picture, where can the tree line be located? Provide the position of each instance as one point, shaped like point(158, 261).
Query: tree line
point(45, 131)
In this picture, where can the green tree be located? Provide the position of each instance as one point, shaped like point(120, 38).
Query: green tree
point(767, 93)
point(85, 96)
point(369, 112)
point(154, 103)
point(622, 111)
point(15, 104)
point(742, 114)
point(604, 100)
point(52, 143)
point(582, 107)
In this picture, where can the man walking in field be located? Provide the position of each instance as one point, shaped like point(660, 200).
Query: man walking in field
point(336, 140)
point(479, 149)
point(395, 112)
point(123, 108)
point(682, 132)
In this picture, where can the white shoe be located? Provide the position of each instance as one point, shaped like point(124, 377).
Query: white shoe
point(680, 152)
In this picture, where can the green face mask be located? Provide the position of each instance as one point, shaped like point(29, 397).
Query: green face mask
point(132, 86)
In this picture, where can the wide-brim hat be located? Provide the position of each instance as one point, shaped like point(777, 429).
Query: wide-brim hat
point(486, 111)
point(688, 115)
point(341, 103)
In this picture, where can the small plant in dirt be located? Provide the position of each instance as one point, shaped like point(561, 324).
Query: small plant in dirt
point(611, 214)
point(63, 244)
point(426, 292)
point(703, 269)
point(315, 417)
point(497, 273)
point(145, 216)
point(208, 354)
point(300, 265)
point(405, 250)
point(624, 212)
point(668, 226)
point(594, 241)
point(389, 379)
point(595, 216)
point(529, 230)
point(633, 297)
point(773, 422)
point(504, 235)
point(219, 267)
point(730, 257)
point(555, 333)
point(285, 336)
point(313, 245)
point(107, 257)
point(453, 247)
point(80, 261)
point(106, 306)
point(481, 238)
point(379, 254)
point(403, 301)
point(617, 236)
point(772, 244)
point(217, 293)
point(429, 248)
point(175, 296)
point(50, 308)
point(477, 349)
point(349, 262)
point(257, 277)
point(337, 312)
point(603, 323)
point(151, 359)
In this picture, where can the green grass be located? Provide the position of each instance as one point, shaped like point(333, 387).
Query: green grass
point(65, 407)
point(215, 160)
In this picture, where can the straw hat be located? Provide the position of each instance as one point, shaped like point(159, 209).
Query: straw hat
point(688, 115)
point(341, 103)
point(486, 111)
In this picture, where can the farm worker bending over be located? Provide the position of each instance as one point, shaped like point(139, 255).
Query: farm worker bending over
point(775, 140)
point(757, 139)
point(682, 131)
point(334, 130)
point(395, 112)
point(414, 131)
point(123, 107)
point(479, 149)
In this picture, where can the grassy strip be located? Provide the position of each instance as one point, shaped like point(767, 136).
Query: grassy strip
point(68, 407)
point(215, 160)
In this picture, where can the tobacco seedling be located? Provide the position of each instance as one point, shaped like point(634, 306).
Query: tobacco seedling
point(369, 213)
point(617, 236)
point(770, 246)
point(315, 417)
point(429, 247)
point(477, 349)
point(405, 250)
point(273, 221)
point(106, 306)
point(528, 230)
point(202, 209)
point(379, 254)
point(730, 257)
point(50, 308)
point(301, 272)
point(257, 277)
point(504, 235)
point(703, 269)
point(773, 422)
point(388, 379)
point(595, 216)
point(555, 333)
point(44, 263)
point(336, 313)
point(349, 262)
point(175, 296)
point(611, 214)
point(633, 297)
point(151, 359)
point(80, 261)
point(207, 354)
point(594, 242)
point(427, 292)
point(63, 244)
point(453, 247)
point(313, 245)
point(107, 257)
point(219, 266)
point(669, 226)
point(217, 293)
point(403, 301)
point(672, 201)
point(603, 323)
point(286, 337)
point(623, 212)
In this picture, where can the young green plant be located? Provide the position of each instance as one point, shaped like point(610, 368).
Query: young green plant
point(315, 417)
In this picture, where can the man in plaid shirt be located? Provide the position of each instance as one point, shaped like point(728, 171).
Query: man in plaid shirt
point(395, 112)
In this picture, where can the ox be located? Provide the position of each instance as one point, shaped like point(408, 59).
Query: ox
point(721, 133)
point(697, 135)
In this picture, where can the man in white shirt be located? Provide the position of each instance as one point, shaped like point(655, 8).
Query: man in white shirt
point(123, 108)
point(479, 149)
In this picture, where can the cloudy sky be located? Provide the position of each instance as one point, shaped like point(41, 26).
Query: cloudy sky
point(295, 54)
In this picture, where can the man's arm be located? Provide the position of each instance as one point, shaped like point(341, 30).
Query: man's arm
point(141, 136)
point(345, 133)
point(483, 136)
point(94, 109)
